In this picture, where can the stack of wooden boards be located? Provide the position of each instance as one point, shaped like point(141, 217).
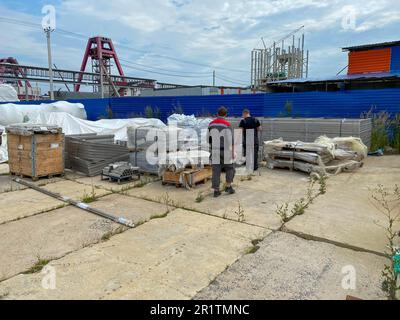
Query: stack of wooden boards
point(35, 151)
point(90, 153)
point(323, 156)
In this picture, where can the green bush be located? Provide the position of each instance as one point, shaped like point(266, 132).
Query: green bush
point(385, 130)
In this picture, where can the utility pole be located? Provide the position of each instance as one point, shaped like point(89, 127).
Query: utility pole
point(214, 78)
point(48, 30)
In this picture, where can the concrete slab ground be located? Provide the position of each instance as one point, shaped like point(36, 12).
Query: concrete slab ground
point(76, 191)
point(258, 197)
point(169, 258)
point(24, 203)
point(112, 186)
point(4, 168)
point(53, 234)
point(346, 214)
point(7, 184)
point(286, 267)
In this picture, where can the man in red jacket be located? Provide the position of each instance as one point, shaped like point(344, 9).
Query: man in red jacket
point(220, 134)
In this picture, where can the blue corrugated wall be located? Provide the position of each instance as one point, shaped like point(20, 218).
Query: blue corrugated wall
point(395, 64)
point(341, 104)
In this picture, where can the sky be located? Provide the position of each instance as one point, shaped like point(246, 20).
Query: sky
point(183, 41)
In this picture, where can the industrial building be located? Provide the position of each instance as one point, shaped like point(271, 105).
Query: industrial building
point(372, 66)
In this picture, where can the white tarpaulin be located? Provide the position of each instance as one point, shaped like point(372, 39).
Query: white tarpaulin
point(11, 113)
point(73, 125)
point(3, 146)
point(8, 93)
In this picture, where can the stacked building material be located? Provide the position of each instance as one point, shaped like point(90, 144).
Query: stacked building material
point(90, 153)
point(35, 151)
point(157, 142)
point(309, 129)
point(321, 157)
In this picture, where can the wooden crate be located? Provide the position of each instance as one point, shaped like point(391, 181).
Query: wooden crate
point(187, 178)
point(36, 155)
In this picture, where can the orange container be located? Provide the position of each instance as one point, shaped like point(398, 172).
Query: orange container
point(369, 61)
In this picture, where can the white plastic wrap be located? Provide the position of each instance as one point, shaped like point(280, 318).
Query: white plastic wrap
point(8, 93)
point(72, 125)
point(3, 146)
point(11, 113)
point(190, 123)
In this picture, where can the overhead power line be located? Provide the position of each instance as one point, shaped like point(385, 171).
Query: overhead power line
point(85, 37)
point(165, 74)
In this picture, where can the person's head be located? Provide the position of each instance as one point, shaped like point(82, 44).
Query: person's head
point(222, 112)
point(246, 113)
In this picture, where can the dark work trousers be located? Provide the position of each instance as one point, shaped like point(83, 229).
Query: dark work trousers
point(216, 173)
point(256, 152)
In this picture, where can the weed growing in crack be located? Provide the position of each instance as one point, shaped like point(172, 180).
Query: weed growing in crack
point(169, 202)
point(200, 197)
point(38, 266)
point(388, 203)
point(107, 236)
point(160, 216)
point(240, 213)
point(300, 206)
point(89, 197)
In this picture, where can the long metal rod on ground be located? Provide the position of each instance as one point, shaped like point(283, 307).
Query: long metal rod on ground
point(80, 205)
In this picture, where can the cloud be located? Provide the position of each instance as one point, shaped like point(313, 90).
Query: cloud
point(210, 34)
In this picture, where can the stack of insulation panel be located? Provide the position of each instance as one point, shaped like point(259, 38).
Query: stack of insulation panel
point(90, 153)
point(309, 129)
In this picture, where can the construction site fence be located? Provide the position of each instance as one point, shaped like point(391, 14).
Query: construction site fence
point(340, 104)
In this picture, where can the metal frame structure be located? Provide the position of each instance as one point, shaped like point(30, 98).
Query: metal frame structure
point(280, 61)
point(39, 74)
point(101, 51)
point(12, 74)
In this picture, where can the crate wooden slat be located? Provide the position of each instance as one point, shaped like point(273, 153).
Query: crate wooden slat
point(34, 152)
point(187, 178)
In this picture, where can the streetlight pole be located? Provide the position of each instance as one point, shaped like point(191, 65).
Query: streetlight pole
point(214, 78)
point(48, 32)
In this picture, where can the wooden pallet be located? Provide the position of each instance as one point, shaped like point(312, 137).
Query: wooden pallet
point(49, 176)
point(188, 178)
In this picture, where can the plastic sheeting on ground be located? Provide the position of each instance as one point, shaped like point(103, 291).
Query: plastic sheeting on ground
point(8, 93)
point(11, 113)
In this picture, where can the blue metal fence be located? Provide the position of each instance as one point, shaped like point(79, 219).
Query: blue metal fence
point(341, 104)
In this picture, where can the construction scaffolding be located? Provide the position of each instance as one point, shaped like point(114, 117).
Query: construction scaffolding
point(281, 61)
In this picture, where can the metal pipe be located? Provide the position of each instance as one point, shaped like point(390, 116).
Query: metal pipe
point(80, 205)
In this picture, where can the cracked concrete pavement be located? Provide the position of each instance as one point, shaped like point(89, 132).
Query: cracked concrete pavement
point(199, 249)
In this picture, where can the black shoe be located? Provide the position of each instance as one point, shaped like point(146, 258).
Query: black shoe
point(230, 190)
point(217, 193)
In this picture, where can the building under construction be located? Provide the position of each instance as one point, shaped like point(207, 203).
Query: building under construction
point(285, 59)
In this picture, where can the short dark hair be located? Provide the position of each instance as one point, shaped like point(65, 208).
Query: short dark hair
point(222, 112)
point(246, 111)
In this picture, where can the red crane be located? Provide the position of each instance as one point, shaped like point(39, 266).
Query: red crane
point(101, 51)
